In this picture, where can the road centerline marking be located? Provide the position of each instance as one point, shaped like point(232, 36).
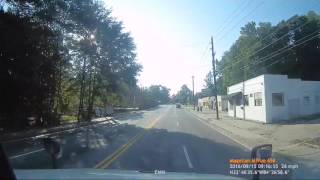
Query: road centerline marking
point(111, 158)
point(187, 156)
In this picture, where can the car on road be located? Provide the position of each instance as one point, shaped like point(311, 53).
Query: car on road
point(178, 105)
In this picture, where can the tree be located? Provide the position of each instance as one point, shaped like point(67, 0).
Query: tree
point(209, 86)
point(152, 96)
point(291, 47)
point(29, 57)
point(75, 54)
point(184, 96)
point(160, 93)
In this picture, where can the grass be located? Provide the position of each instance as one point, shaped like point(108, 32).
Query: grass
point(68, 119)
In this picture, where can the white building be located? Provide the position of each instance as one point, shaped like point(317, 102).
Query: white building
point(222, 103)
point(272, 98)
point(208, 102)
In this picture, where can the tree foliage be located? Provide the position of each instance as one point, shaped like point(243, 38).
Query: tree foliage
point(184, 96)
point(152, 96)
point(29, 57)
point(62, 56)
point(290, 47)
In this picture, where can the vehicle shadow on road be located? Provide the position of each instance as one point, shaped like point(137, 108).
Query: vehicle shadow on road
point(158, 149)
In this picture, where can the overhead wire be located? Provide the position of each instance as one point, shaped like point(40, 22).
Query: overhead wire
point(232, 17)
point(254, 9)
point(238, 58)
point(255, 52)
point(243, 18)
point(282, 50)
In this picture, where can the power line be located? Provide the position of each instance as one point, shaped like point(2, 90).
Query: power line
point(271, 64)
point(271, 56)
point(277, 61)
point(243, 18)
point(232, 17)
point(255, 52)
point(207, 47)
point(283, 48)
point(283, 36)
point(276, 54)
point(205, 51)
point(239, 58)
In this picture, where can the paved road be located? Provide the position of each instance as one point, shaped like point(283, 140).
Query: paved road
point(163, 138)
point(180, 142)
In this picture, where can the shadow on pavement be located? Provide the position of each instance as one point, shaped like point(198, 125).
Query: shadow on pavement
point(298, 121)
point(136, 115)
point(152, 109)
point(158, 149)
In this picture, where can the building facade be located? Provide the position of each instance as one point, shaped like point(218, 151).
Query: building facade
point(271, 98)
point(209, 102)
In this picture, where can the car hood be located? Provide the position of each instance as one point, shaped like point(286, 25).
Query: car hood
point(108, 174)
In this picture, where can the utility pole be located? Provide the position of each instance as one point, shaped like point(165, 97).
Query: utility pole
point(214, 78)
point(194, 105)
point(243, 96)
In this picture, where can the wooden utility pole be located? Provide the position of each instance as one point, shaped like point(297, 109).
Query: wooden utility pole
point(194, 104)
point(214, 78)
point(243, 95)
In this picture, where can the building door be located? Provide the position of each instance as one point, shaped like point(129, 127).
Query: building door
point(294, 108)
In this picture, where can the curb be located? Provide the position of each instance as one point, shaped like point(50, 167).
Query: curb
point(219, 129)
point(286, 157)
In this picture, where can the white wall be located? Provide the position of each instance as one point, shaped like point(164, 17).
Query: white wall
point(274, 84)
point(252, 112)
point(294, 91)
point(222, 103)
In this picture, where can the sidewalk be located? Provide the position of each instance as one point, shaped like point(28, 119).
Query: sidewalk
point(296, 142)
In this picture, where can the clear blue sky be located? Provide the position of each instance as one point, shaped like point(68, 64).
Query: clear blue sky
point(172, 36)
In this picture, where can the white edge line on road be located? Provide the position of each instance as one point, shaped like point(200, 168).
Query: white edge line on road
point(20, 155)
point(59, 132)
point(187, 156)
point(224, 134)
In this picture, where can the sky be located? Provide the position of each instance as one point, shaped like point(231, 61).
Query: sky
point(173, 36)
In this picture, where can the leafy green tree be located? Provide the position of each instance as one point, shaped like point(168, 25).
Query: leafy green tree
point(152, 96)
point(160, 93)
point(29, 56)
point(290, 47)
point(75, 57)
point(184, 96)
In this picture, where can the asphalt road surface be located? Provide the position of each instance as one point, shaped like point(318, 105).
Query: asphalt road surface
point(164, 138)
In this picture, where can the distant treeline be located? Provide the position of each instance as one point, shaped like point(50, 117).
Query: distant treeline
point(291, 47)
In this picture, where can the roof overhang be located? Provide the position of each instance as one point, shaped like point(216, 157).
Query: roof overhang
point(232, 95)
